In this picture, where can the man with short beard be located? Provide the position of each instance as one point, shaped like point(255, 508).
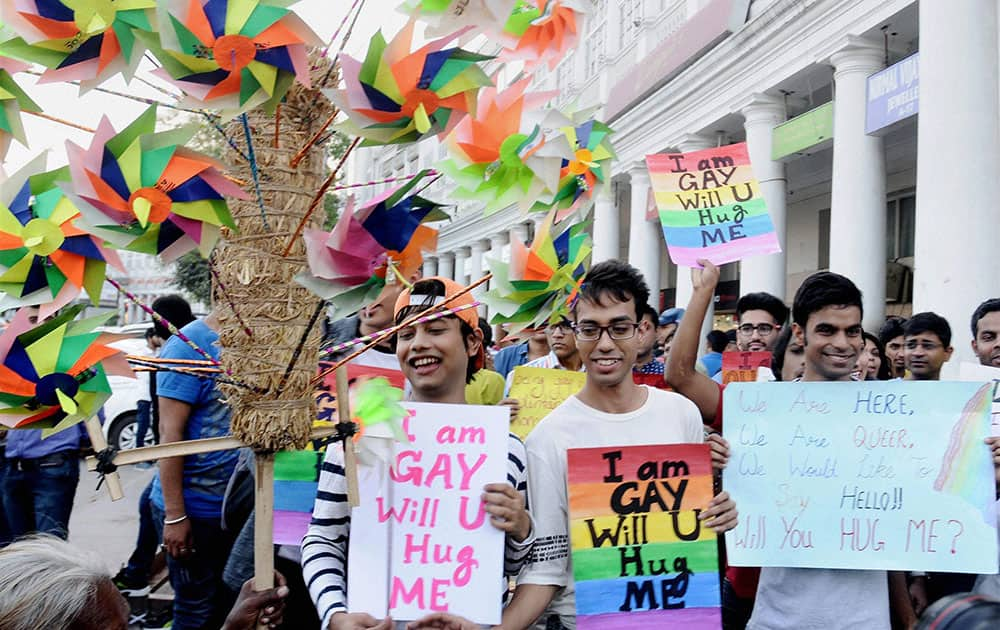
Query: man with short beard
point(986, 332)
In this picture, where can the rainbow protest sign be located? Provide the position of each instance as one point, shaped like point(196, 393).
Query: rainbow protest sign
point(296, 474)
point(711, 206)
point(640, 556)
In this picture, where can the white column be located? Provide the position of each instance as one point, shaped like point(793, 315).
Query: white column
point(446, 265)
point(497, 242)
point(857, 201)
point(958, 149)
point(606, 228)
point(644, 236)
point(519, 233)
point(766, 273)
point(475, 266)
point(694, 142)
point(430, 267)
point(461, 263)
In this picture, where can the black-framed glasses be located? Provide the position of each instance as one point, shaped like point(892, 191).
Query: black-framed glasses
point(762, 329)
point(927, 346)
point(618, 331)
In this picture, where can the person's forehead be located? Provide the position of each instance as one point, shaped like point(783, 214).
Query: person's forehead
point(757, 316)
point(925, 334)
point(606, 311)
point(840, 316)
point(989, 322)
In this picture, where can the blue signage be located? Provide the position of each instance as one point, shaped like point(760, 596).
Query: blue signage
point(893, 94)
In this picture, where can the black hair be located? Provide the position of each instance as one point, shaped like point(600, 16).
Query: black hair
point(989, 306)
point(821, 290)
point(434, 289)
point(717, 340)
point(487, 330)
point(961, 611)
point(150, 332)
point(763, 302)
point(883, 373)
point(175, 310)
point(731, 335)
point(616, 280)
point(778, 355)
point(929, 322)
point(648, 311)
point(892, 328)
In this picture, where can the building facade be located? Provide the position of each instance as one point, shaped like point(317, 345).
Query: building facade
point(873, 127)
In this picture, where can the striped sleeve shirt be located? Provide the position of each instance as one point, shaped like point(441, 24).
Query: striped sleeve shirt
point(324, 548)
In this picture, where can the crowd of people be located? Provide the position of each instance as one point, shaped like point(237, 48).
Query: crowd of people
point(649, 379)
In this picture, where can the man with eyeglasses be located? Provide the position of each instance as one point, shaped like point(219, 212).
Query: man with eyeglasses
point(562, 355)
point(610, 410)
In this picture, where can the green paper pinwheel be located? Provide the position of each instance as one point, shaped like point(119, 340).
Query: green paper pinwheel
point(234, 55)
point(85, 40)
point(538, 285)
point(583, 170)
point(376, 403)
point(55, 374)
point(45, 258)
point(13, 100)
point(144, 192)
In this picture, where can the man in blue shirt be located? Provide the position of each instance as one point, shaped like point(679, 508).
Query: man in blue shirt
point(187, 493)
point(536, 347)
point(40, 480)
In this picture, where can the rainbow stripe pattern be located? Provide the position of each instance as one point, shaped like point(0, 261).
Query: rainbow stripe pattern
point(959, 464)
point(296, 476)
point(710, 206)
point(640, 556)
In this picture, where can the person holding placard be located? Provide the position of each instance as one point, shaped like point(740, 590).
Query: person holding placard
point(438, 358)
point(610, 410)
point(563, 353)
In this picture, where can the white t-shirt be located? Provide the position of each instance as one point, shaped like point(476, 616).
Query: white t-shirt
point(665, 418)
point(821, 599)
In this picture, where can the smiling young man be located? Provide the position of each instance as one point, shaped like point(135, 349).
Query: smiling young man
point(610, 410)
point(986, 332)
point(438, 359)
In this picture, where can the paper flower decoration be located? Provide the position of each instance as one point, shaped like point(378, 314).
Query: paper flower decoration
point(348, 266)
point(587, 166)
point(55, 374)
point(144, 192)
point(447, 16)
point(13, 100)
point(44, 257)
point(510, 151)
point(85, 40)
point(539, 283)
point(232, 54)
point(542, 30)
point(396, 96)
point(376, 403)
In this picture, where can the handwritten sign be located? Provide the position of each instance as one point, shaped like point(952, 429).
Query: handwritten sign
point(421, 541)
point(866, 475)
point(981, 374)
point(326, 393)
point(641, 558)
point(296, 476)
point(539, 391)
point(742, 367)
point(711, 206)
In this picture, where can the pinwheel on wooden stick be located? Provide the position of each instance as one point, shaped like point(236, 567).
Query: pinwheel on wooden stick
point(398, 96)
point(586, 167)
point(542, 31)
point(45, 258)
point(13, 100)
point(539, 283)
point(349, 265)
point(510, 151)
point(85, 40)
point(54, 375)
point(234, 55)
point(144, 192)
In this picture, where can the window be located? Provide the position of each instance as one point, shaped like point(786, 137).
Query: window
point(630, 18)
point(595, 50)
point(823, 261)
point(900, 222)
point(563, 76)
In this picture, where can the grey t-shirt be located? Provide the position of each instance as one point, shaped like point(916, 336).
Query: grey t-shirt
point(821, 599)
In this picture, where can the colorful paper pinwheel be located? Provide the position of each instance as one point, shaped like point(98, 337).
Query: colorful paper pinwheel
point(85, 40)
point(232, 54)
point(349, 265)
point(144, 192)
point(447, 16)
point(396, 96)
point(55, 374)
point(13, 100)
point(539, 283)
point(584, 169)
point(44, 257)
point(510, 151)
point(375, 402)
point(542, 30)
